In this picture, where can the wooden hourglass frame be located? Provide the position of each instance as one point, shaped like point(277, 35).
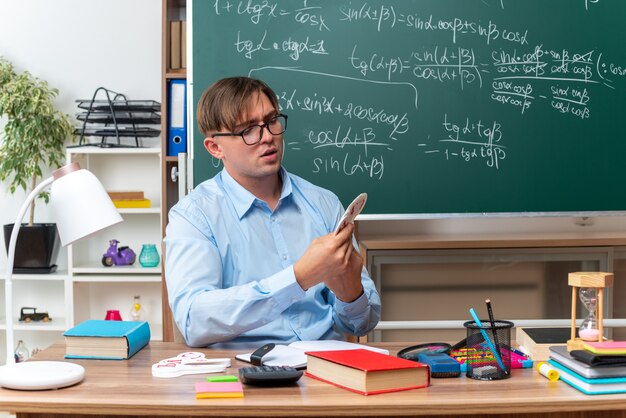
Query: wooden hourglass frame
point(596, 280)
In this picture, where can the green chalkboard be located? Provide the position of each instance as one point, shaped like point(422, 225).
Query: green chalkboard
point(435, 106)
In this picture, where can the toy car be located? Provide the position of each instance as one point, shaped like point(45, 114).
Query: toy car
point(31, 314)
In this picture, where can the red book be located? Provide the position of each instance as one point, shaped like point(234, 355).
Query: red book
point(366, 372)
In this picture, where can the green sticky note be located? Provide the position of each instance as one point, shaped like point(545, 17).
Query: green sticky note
point(226, 378)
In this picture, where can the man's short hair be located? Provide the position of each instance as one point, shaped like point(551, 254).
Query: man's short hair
point(222, 104)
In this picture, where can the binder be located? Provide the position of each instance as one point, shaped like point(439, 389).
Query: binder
point(177, 118)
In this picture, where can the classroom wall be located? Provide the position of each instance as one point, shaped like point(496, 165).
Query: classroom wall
point(78, 46)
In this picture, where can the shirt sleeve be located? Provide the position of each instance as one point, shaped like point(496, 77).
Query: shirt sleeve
point(361, 315)
point(204, 312)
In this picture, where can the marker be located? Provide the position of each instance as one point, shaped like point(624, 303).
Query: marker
point(227, 378)
point(515, 350)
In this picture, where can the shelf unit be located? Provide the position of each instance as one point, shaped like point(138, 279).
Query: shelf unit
point(172, 10)
point(46, 292)
point(94, 287)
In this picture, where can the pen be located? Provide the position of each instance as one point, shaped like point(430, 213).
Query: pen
point(487, 340)
point(493, 324)
point(515, 350)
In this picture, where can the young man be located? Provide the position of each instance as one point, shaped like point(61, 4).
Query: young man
point(251, 255)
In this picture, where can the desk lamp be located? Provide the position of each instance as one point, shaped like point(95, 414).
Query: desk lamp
point(81, 207)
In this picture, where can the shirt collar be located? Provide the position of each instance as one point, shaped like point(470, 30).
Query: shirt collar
point(242, 199)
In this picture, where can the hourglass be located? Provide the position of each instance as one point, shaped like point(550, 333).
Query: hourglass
point(590, 288)
point(588, 329)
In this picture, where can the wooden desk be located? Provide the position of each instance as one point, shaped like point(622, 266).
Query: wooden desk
point(128, 388)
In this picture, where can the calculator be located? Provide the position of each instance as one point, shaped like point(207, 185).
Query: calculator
point(269, 375)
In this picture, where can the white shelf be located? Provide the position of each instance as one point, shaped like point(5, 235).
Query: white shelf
point(108, 151)
point(144, 278)
point(94, 288)
point(116, 270)
point(139, 211)
point(57, 275)
point(56, 324)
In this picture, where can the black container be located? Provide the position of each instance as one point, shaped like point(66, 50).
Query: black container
point(481, 362)
point(37, 247)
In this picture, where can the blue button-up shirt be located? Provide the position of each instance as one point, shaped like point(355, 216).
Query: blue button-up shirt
point(229, 266)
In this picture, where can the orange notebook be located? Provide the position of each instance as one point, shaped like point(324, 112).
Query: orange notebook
point(366, 372)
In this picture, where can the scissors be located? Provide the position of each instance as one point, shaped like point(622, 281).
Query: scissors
point(190, 362)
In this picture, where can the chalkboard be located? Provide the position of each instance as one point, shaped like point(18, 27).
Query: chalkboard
point(435, 106)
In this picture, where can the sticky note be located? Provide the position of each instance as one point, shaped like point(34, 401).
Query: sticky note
point(206, 390)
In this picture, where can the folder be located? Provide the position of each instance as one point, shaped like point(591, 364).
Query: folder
point(177, 121)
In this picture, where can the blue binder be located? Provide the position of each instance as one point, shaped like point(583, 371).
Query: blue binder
point(177, 118)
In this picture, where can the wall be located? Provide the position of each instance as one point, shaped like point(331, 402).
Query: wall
point(78, 46)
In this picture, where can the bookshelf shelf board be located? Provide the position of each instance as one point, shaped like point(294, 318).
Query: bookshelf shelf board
point(58, 275)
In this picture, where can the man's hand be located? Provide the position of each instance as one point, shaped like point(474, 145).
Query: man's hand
point(328, 257)
point(347, 286)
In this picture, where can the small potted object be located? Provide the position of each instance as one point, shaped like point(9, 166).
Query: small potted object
point(32, 138)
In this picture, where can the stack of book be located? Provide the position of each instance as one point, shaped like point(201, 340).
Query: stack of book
point(129, 199)
point(598, 369)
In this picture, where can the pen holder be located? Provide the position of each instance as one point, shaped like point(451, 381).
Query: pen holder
point(481, 361)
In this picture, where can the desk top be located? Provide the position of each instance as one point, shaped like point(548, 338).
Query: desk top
point(128, 388)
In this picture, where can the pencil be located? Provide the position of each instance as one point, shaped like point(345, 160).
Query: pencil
point(493, 325)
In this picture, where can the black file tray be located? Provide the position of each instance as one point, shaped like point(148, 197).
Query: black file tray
point(114, 118)
point(145, 118)
point(119, 105)
point(121, 131)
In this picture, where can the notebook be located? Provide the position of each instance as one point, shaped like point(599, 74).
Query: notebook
point(601, 386)
point(563, 357)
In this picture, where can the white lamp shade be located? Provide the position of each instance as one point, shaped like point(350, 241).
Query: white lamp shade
point(81, 206)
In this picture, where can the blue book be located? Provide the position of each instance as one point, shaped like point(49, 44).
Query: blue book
point(108, 340)
point(598, 386)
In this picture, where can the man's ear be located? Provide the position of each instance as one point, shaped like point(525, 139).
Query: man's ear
point(213, 148)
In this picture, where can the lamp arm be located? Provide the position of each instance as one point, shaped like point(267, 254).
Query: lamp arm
point(8, 280)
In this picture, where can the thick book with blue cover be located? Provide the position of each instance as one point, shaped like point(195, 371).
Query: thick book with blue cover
point(109, 340)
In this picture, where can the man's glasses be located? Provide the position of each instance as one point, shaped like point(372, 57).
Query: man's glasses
point(253, 134)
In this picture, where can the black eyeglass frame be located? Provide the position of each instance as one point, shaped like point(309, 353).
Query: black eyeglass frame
point(265, 125)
